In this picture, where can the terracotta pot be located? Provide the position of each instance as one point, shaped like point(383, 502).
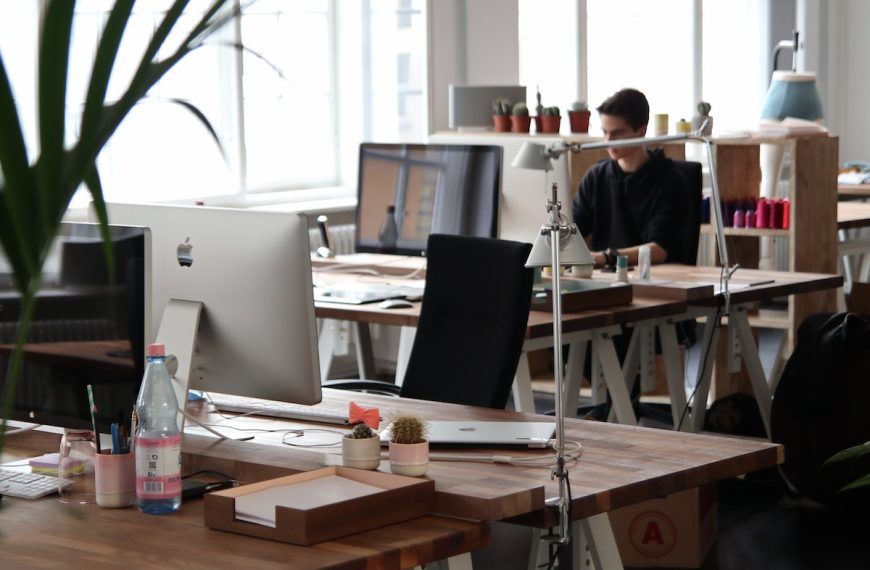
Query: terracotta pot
point(550, 123)
point(579, 121)
point(361, 453)
point(411, 459)
point(502, 123)
point(520, 123)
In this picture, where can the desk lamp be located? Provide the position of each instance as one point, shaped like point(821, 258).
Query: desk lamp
point(570, 249)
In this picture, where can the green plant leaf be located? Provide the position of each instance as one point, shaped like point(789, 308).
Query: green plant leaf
point(857, 484)
point(194, 110)
point(849, 454)
point(95, 187)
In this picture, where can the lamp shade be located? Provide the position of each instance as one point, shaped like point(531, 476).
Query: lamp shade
point(533, 156)
point(572, 251)
point(792, 94)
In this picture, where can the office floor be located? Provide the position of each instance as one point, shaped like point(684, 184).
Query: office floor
point(760, 524)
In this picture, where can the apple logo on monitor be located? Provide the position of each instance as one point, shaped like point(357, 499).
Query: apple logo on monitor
point(184, 253)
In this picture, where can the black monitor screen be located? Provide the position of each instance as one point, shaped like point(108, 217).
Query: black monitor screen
point(87, 328)
point(408, 191)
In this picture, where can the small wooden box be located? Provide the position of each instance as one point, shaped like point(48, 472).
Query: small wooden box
point(584, 294)
point(401, 499)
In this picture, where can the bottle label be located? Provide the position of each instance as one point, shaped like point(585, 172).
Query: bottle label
point(158, 467)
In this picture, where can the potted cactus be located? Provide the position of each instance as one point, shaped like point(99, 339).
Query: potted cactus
point(501, 114)
point(361, 448)
point(539, 110)
point(551, 120)
point(578, 116)
point(409, 448)
point(520, 119)
point(703, 122)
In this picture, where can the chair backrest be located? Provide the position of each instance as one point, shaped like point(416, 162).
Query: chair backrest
point(691, 173)
point(472, 323)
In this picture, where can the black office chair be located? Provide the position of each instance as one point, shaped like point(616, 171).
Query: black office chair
point(472, 324)
point(694, 179)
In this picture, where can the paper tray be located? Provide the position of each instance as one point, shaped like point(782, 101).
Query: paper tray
point(400, 499)
point(584, 294)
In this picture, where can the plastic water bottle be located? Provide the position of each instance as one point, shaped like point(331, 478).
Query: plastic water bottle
point(158, 439)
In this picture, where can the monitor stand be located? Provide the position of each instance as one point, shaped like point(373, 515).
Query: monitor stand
point(178, 329)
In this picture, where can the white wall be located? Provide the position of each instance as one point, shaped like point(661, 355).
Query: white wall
point(853, 82)
point(471, 42)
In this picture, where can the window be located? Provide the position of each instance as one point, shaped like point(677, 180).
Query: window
point(353, 71)
point(650, 46)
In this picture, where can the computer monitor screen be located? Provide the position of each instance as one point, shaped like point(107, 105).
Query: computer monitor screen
point(87, 328)
point(408, 191)
point(252, 272)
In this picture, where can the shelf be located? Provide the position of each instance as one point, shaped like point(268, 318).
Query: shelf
point(756, 232)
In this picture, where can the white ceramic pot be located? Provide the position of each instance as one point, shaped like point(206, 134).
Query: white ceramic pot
point(361, 453)
point(411, 459)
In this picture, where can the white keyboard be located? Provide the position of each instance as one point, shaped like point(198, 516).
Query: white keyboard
point(317, 413)
point(26, 485)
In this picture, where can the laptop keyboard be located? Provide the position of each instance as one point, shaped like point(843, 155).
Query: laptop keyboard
point(26, 485)
point(318, 413)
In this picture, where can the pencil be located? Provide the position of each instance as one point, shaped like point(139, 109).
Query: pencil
point(94, 416)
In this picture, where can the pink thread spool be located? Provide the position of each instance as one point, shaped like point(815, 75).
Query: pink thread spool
point(739, 219)
point(750, 218)
point(786, 213)
point(776, 214)
point(761, 213)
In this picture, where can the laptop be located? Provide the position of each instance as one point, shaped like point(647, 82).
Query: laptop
point(485, 434)
point(360, 293)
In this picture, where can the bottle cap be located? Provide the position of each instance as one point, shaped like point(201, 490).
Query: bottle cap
point(156, 349)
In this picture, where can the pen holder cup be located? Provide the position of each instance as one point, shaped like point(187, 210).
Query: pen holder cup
point(115, 479)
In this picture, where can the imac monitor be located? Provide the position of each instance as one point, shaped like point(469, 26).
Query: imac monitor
point(251, 270)
point(408, 191)
point(87, 329)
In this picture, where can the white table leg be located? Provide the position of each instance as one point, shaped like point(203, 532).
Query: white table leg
point(673, 370)
point(329, 330)
point(406, 343)
point(705, 371)
point(459, 562)
point(740, 322)
point(602, 543)
point(574, 376)
point(605, 352)
point(524, 399)
point(365, 359)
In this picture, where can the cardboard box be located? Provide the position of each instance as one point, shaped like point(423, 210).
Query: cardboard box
point(676, 531)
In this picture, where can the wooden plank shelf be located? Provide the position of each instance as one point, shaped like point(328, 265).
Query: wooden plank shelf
point(756, 232)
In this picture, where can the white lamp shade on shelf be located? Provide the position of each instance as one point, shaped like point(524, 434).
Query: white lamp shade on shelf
point(533, 156)
point(792, 94)
point(572, 251)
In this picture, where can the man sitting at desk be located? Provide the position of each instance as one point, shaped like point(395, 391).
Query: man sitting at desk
point(635, 198)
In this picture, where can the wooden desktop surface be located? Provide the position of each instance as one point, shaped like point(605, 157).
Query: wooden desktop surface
point(853, 215)
point(48, 534)
point(860, 190)
point(620, 465)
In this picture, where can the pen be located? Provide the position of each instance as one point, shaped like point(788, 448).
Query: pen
point(93, 416)
point(116, 439)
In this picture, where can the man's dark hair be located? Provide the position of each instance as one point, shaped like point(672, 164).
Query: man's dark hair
point(630, 104)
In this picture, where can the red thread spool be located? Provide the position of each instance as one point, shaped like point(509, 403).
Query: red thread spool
point(786, 213)
point(776, 214)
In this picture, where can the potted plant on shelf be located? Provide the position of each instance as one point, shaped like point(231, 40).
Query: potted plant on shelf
point(539, 110)
point(703, 122)
point(501, 115)
point(578, 116)
point(409, 448)
point(35, 191)
point(520, 119)
point(551, 120)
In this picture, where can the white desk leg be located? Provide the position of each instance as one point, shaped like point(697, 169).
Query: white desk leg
point(705, 371)
point(603, 349)
point(740, 322)
point(365, 360)
point(647, 356)
point(602, 543)
point(459, 562)
point(574, 376)
point(673, 370)
point(406, 343)
point(326, 346)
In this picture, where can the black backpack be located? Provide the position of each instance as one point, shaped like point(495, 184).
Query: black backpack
point(820, 405)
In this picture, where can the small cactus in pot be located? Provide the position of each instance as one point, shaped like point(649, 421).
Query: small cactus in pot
point(409, 448)
point(520, 119)
point(578, 117)
point(703, 123)
point(501, 114)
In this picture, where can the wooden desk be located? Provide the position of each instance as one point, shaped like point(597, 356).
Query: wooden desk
point(46, 533)
point(859, 190)
point(852, 215)
point(747, 287)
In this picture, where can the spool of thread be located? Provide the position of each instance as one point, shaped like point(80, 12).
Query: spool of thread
point(739, 219)
point(749, 219)
point(621, 269)
point(778, 210)
point(728, 210)
point(786, 213)
point(761, 213)
point(660, 124)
